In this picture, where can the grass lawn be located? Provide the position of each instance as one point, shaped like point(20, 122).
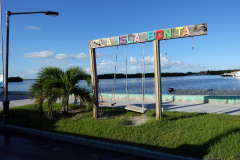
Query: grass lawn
point(208, 136)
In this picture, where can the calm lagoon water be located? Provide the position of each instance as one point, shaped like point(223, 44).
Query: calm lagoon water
point(135, 84)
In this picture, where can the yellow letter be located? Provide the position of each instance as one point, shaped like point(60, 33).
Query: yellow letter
point(179, 31)
point(109, 43)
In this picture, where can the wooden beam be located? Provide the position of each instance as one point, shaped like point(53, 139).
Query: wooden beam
point(162, 34)
point(157, 71)
point(94, 80)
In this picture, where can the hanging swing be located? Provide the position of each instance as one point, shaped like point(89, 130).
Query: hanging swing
point(130, 106)
point(113, 102)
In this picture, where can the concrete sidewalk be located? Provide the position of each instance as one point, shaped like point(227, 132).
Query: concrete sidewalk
point(16, 100)
point(231, 109)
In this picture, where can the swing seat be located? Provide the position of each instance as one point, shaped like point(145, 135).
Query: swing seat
point(103, 103)
point(135, 108)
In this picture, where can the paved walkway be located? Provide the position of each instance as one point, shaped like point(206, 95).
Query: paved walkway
point(19, 100)
point(16, 100)
point(189, 107)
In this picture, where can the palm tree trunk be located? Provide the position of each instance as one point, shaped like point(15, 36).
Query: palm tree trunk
point(66, 102)
point(63, 104)
point(75, 99)
point(81, 102)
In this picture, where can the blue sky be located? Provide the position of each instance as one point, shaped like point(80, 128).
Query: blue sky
point(38, 40)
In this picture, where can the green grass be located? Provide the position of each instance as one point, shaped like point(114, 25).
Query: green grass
point(209, 136)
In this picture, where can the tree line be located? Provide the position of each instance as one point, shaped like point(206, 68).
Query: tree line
point(172, 74)
point(138, 75)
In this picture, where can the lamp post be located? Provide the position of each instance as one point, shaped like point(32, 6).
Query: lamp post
point(6, 101)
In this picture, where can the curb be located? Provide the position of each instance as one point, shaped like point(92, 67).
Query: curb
point(131, 150)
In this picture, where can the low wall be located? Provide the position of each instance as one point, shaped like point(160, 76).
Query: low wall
point(216, 99)
point(179, 98)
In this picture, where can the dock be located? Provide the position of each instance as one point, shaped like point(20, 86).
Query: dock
point(206, 92)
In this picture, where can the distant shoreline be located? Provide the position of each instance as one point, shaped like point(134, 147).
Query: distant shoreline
point(29, 79)
point(15, 79)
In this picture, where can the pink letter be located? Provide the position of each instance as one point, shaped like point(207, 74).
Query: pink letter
point(102, 45)
point(137, 38)
point(123, 40)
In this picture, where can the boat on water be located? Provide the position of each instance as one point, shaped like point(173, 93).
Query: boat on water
point(236, 74)
point(227, 75)
point(232, 74)
point(1, 83)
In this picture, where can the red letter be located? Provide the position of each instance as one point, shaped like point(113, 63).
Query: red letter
point(156, 34)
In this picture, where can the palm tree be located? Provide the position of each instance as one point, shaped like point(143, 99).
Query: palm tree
point(70, 79)
point(53, 83)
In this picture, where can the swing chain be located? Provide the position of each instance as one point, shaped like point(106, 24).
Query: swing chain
point(127, 94)
point(192, 44)
point(143, 80)
point(114, 80)
point(165, 47)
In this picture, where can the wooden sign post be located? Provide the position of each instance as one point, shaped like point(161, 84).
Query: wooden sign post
point(155, 36)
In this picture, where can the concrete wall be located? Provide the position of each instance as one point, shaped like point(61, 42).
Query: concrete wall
point(179, 98)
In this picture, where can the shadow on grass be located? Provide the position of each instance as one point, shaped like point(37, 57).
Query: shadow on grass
point(111, 112)
point(184, 116)
point(202, 150)
point(172, 117)
point(34, 119)
point(187, 150)
point(71, 113)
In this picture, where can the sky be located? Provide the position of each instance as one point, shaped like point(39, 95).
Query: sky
point(37, 40)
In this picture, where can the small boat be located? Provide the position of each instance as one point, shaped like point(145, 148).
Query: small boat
point(236, 74)
point(1, 83)
point(227, 75)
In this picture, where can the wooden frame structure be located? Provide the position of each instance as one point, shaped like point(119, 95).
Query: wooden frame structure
point(155, 36)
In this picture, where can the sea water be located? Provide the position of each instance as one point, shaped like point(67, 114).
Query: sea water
point(208, 82)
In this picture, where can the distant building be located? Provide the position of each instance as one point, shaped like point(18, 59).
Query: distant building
point(203, 72)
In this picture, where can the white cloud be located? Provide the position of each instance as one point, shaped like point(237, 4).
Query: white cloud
point(62, 56)
point(99, 55)
point(41, 54)
point(194, 66)
point(35, 28)
point(27, 73)
point(134, 69)
point(166, 64)
point(82, 56)
point(88, 70)
point(137, 64)
point(106, 63)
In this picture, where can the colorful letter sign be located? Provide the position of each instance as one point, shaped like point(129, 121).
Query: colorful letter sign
point(162, 34)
